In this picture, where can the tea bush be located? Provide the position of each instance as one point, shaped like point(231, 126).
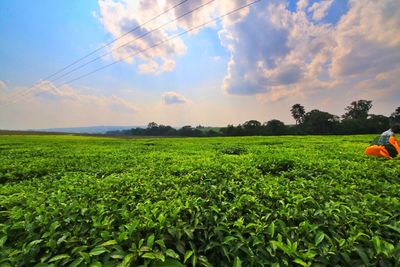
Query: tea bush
point(242, 201)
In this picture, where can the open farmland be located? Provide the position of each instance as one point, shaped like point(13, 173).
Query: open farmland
point(243, 201)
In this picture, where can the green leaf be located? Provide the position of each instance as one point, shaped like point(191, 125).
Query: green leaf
point(204, 261)
point(59, 257)
point(345, 257)
point(35, 242)
point(117, 254)
point(194, 260)
point(377, 244)
point(169, 263)
point(96, 264)
point(271, 229)
point(187, 255)
point(318, 238)
point(85, 256)
point(144, 249)
point(109, 243)
point(302, 263)
point(161, 244)
point(237, 262)
point(228, 239)
point(362, 255)
point(97, 251)
point(154, 255)
point(172, 254)
point(78, 249)
point(76, 262)
point(3, 241)
point(150, 241)
point(127, 261)
point(149, 255)
point(188, 232)
point(397, 229)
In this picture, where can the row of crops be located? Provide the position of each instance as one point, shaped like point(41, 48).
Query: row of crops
point(242, 201)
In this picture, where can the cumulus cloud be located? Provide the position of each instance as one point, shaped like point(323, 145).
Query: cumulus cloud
point(368, 39)
point(319, 9)
point(50, 106)
point(172, 98)
point(284, 53)
point(3, 85)
point(302, 5)
point(288, 54)
point(119, 17)
point(46, 92)
point(296, 54)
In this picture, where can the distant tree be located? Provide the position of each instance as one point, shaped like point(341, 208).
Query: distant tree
point(298, 112)
point(189, 131)
point(212, 133)
point(319, 122)
point(395, 116)
point(252, 127)
point(358, 110)
point(228, 130)
point(152, 125)
point(252, 124)
point(275, 127)
point(376, 124)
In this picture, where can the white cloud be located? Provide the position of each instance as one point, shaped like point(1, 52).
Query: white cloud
point(368, 39)
point(294, 56)
point(119, 17)
point(3, 85)
point(48, 106)
point(302, 5)
point(287, 55)
point(319, 9)
point(173, 98)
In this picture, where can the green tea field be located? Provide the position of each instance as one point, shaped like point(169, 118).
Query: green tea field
point(240, 201)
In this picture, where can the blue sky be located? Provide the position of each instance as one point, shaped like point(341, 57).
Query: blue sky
point(253, 65)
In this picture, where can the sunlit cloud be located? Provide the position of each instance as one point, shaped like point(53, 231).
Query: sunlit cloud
point(3, 85)
point(119, 17)
point(48, 105)
point(319, 9)
point(173, 98)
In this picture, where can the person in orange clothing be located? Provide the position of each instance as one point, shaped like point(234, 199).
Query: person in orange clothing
point(385, 145)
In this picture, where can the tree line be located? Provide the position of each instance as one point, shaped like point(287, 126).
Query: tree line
point(355, 120)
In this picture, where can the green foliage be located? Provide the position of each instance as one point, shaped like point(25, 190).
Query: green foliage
point(244, 201)
point(357, 110)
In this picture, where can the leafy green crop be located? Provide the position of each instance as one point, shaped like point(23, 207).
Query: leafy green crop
point(243, 201)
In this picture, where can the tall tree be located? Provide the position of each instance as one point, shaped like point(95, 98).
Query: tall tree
point(396, 115)
point(298, 113)
point(152, 125)
point(252, 124)
point(275, 127)
point(319, 122)
point(358, 110)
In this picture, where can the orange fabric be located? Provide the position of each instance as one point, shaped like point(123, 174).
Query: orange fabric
point(380, 151)
point(377, 151)
point(395, 143)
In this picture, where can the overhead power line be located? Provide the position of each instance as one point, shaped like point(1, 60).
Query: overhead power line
point(130, 42)
point(160, 43)
point(101, 47)
point(22, 94)
point(115, 39)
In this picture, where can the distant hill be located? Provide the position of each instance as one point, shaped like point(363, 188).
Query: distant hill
point(88, 130)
